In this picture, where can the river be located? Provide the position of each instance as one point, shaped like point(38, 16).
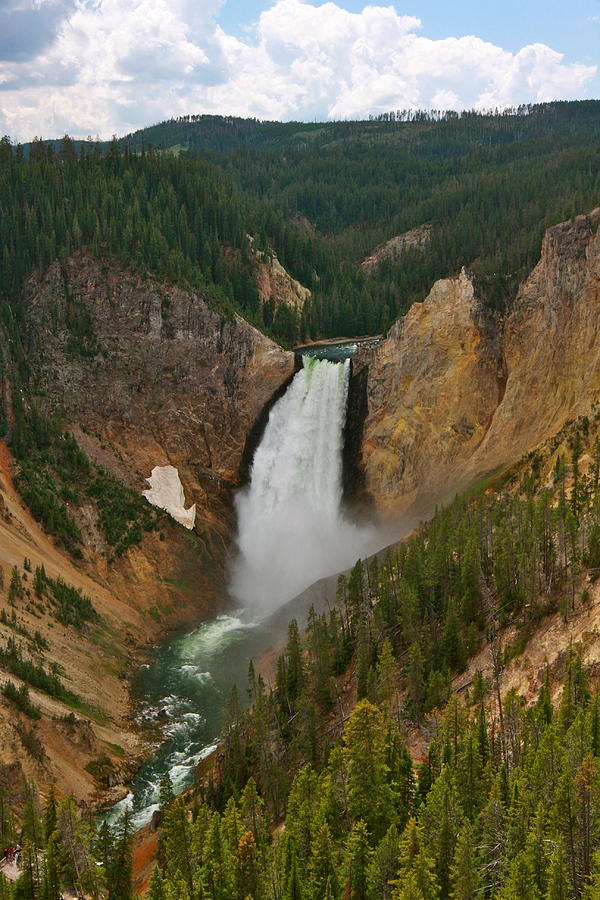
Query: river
point(292, 532)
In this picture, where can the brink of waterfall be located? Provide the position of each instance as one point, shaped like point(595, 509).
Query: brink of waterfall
point(291, 528)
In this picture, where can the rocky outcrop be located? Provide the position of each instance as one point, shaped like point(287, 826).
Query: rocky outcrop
point(416, 239)
point(455, 393)
point(551, 346)
point(168, 380)
point(433, 386)
point(275, 283)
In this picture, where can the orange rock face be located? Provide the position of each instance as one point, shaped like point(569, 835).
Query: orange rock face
point(455, 392)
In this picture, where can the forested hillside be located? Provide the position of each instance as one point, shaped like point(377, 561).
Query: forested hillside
point(175, 219)
point(489, 184)
point(174, 199)
point(315, 794)
point(505, 803)
point(384, 761)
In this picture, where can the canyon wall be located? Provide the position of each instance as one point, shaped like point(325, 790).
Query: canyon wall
point(455, 392)
point(170, 381)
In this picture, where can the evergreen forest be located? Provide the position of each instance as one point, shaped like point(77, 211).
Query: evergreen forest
point(311, 797)
point(179, 200)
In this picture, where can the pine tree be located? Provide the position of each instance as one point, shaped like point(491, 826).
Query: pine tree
point(415, 865)
point(292, 889)
point(356, 864)
point(157, 886)
point(119, 876)
point(50, 815)
point(51, 882)
point(295, 666)
point(166, 795)
point(441, 818)
point(386, 676)
point(247, 875)
point(521, 880)
point(322, 872)
point(370, 796)
point(558, 881)
point(408, 888)
point(464, 876)
point(384, 866)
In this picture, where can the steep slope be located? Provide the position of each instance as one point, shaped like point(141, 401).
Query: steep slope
point(275, 283)
point(152, 377)
point(92, 662)
point(551, 345)
point(454, 392)
point(170, 380)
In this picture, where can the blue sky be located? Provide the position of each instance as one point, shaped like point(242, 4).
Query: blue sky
point(571, 27)
point(100, 67)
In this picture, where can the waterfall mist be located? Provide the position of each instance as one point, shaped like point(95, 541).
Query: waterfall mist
point(291, 528)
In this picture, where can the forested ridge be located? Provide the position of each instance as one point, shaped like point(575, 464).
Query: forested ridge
point(174, 199)
point(489, 184)
point(506, 802)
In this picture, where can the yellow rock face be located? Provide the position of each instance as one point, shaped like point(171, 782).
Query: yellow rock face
point(454, 392)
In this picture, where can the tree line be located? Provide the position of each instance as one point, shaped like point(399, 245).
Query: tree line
point(176, 199)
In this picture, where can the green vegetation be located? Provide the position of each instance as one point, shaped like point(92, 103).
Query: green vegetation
point(155, 213)
point(34, 674)
point(489, 184)
point(321, 196)
point(55, 472)
point(504, 805)
point(61, 851)
point(486, 561)
point(506, 802)
point(123, 515)
point(31, 742)
point(500, 811)
point(20, 697)
point(72, 607)
point(101, 769)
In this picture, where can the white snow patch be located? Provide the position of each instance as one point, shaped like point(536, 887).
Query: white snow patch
point(166, 492)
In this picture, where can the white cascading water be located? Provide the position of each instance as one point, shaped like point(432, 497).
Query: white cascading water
point(291, 529)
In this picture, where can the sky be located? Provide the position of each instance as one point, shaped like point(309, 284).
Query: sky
point(104, 67)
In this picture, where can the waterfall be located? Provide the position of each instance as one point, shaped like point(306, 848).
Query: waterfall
point(291, 528)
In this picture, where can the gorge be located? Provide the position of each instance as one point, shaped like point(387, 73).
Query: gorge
point(177, 385)
point(300, 506)
point(292, 531)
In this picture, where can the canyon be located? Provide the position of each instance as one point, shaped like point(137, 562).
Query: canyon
point(454, 393)
point(171, 383)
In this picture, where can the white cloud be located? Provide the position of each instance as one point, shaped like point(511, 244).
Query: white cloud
point(115, 65)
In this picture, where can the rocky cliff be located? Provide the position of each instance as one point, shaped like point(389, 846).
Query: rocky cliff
point(416, 239)
point(455, 392)
point(275, 283)
point(168, 380)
